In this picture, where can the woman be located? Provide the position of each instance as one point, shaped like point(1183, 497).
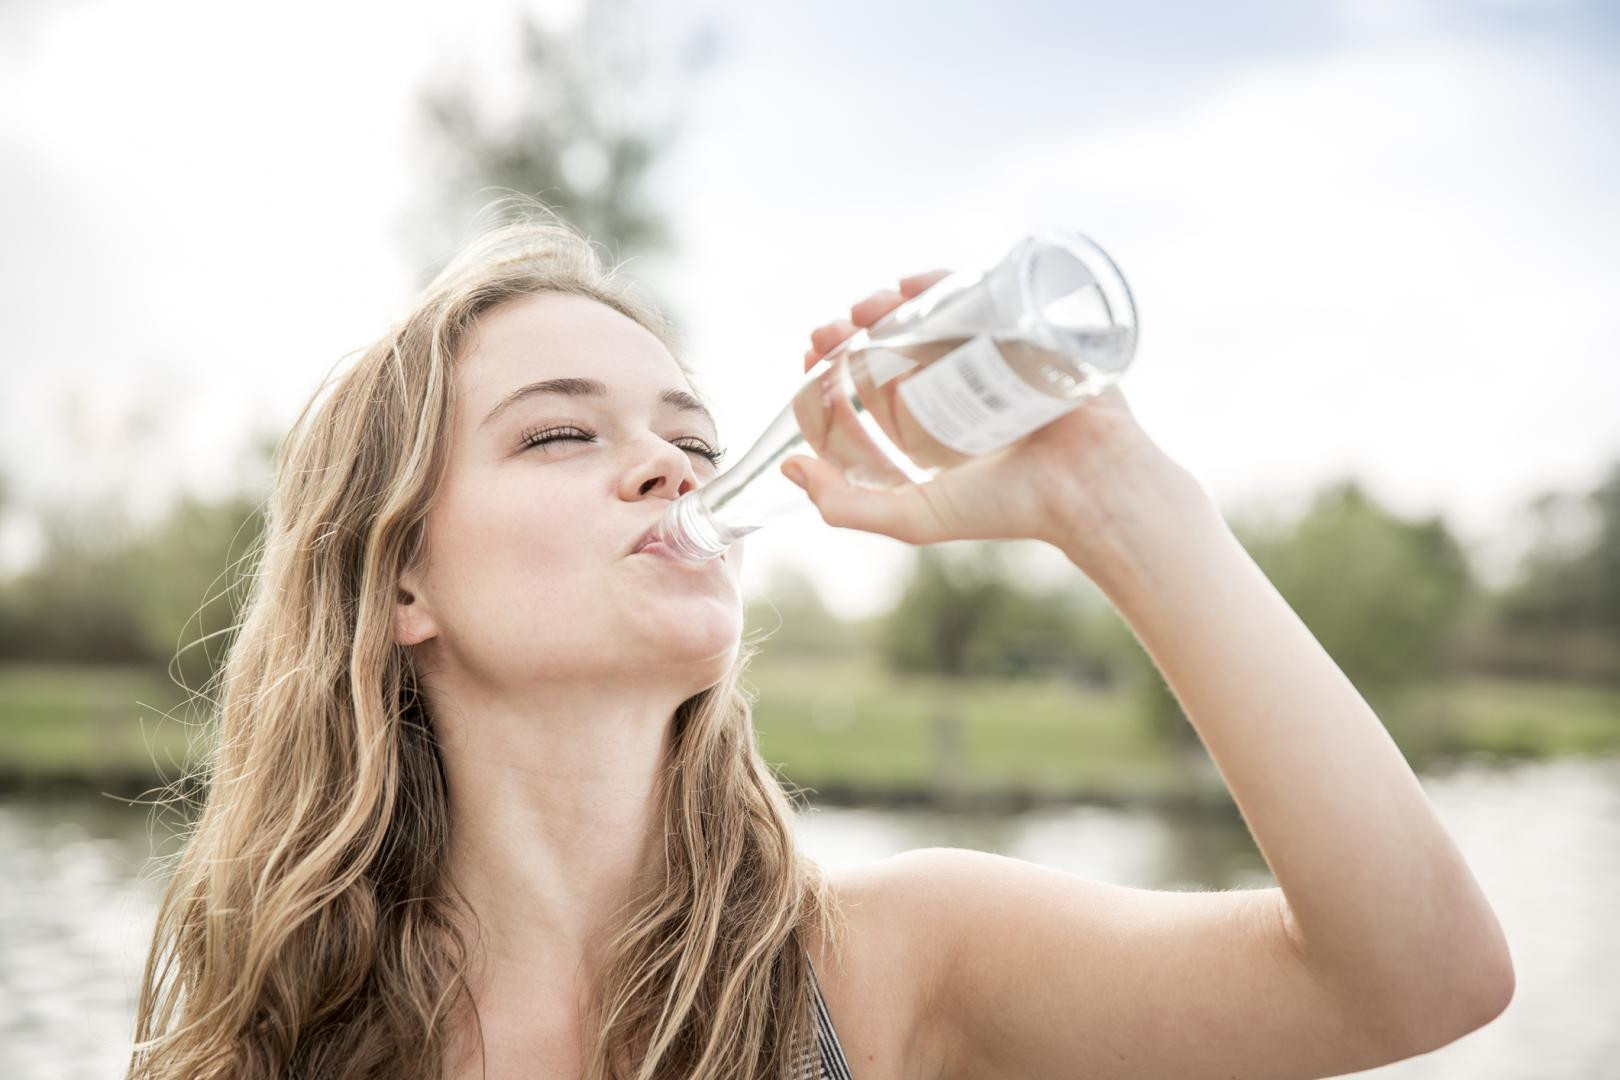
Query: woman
point(486, 798)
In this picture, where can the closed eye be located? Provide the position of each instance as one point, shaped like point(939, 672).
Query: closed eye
point(574, 434)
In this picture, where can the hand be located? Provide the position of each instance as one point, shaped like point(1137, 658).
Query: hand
point(1075, 483)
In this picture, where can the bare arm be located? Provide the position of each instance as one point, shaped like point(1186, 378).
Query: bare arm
point(1378, 899)
point(1378, 945)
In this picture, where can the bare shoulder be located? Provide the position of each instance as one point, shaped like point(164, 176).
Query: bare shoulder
point(883, 995)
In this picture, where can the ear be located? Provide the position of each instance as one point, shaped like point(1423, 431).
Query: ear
point(413, 624)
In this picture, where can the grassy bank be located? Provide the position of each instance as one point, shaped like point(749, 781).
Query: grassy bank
point(843, 728)
point(97, 722)
point(845, 725)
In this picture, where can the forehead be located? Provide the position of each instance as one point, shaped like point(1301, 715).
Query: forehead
point(560, 335)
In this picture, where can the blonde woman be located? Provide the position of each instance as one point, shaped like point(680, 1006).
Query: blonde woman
point(486, 799)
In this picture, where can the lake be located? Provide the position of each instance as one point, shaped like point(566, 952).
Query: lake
point(79, 897)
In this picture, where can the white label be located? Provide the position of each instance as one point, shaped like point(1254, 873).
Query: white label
point(971, 400)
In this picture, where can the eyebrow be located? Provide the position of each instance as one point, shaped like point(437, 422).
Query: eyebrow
point(574, 387)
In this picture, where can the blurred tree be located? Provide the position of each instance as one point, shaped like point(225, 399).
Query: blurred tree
point(1583, 585)
point(1030, 633)
point(793, 621)
point(960, 616)
point(191, 578)
point(166, 594)
point(961, 613)
point(946, 604)
point(102, 594)
point(1561, 615)
point(76, 602)
point(947, 608)
point(594, 110)
point(1386, 598)
point(1383, 595)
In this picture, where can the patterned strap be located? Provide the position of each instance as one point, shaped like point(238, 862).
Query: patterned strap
point(832, 1062)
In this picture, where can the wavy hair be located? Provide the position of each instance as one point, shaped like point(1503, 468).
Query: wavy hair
point(310, 927)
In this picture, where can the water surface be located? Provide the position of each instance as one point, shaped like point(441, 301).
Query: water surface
point(79, 895)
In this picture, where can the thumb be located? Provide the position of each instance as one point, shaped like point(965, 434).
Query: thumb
point(902, 513)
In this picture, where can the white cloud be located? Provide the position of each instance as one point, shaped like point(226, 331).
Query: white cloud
point(1405, 17)
point(1397, 261)
point(1394, 262)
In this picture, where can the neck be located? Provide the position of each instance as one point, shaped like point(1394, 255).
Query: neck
point(554, 807)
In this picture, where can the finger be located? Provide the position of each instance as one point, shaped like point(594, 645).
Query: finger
point(876, 306)
point(901, 512)
point(916, 283)
point(825, 338)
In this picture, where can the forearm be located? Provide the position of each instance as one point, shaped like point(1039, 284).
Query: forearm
point(1379, 899)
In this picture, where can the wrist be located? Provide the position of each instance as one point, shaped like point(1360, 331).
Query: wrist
point(1138, 523)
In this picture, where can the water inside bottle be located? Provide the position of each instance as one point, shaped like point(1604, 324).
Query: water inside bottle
point(859, 416)
point(973, 364)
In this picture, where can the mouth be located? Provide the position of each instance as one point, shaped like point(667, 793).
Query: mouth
point(644, 539)
point(650, 543)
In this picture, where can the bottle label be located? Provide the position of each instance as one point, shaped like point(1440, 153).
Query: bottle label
point(971, 400)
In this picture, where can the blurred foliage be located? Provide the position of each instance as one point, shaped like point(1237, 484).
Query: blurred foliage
point(595, 107)
point(1561, 615)
point(790, 619)
point(1388, 609)
point(1386, 598)
point(105, 593)
point(939, 624)
point(962, 614)
point(1392, 607)
point(1560, 585)
point(962, 617)
point(1384, 595)
point(843, 725)
point(1392, 600)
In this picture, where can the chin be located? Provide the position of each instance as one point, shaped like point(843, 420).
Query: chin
point(717, 643)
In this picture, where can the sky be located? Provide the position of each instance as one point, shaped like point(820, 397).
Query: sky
point(1377, 238)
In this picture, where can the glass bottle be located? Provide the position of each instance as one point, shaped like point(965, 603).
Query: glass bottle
point(972, 364)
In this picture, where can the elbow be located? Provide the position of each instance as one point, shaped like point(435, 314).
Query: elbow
point(1465, 1005)
point(1490, 975)
point(1443, 992)
point(1475, 977)
point(1496, 992)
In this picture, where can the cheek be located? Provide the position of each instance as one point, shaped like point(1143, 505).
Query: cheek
point(497, 547)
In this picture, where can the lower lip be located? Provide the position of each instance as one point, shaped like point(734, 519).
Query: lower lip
point(659, 548)
point(663, 550)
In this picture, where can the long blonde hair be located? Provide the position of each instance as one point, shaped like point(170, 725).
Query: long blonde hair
point(309, 927)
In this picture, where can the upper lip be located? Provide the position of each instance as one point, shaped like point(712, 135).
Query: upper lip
point(645, 538)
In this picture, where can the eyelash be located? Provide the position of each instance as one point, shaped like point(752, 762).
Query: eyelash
point(559, 434)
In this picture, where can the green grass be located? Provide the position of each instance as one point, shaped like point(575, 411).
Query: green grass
point(82, 720)
point(1523, 718)
point(845, 723)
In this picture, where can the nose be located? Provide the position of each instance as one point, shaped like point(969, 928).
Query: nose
point(666, 471)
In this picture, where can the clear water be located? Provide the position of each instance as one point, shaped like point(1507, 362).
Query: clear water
point(77, 900)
